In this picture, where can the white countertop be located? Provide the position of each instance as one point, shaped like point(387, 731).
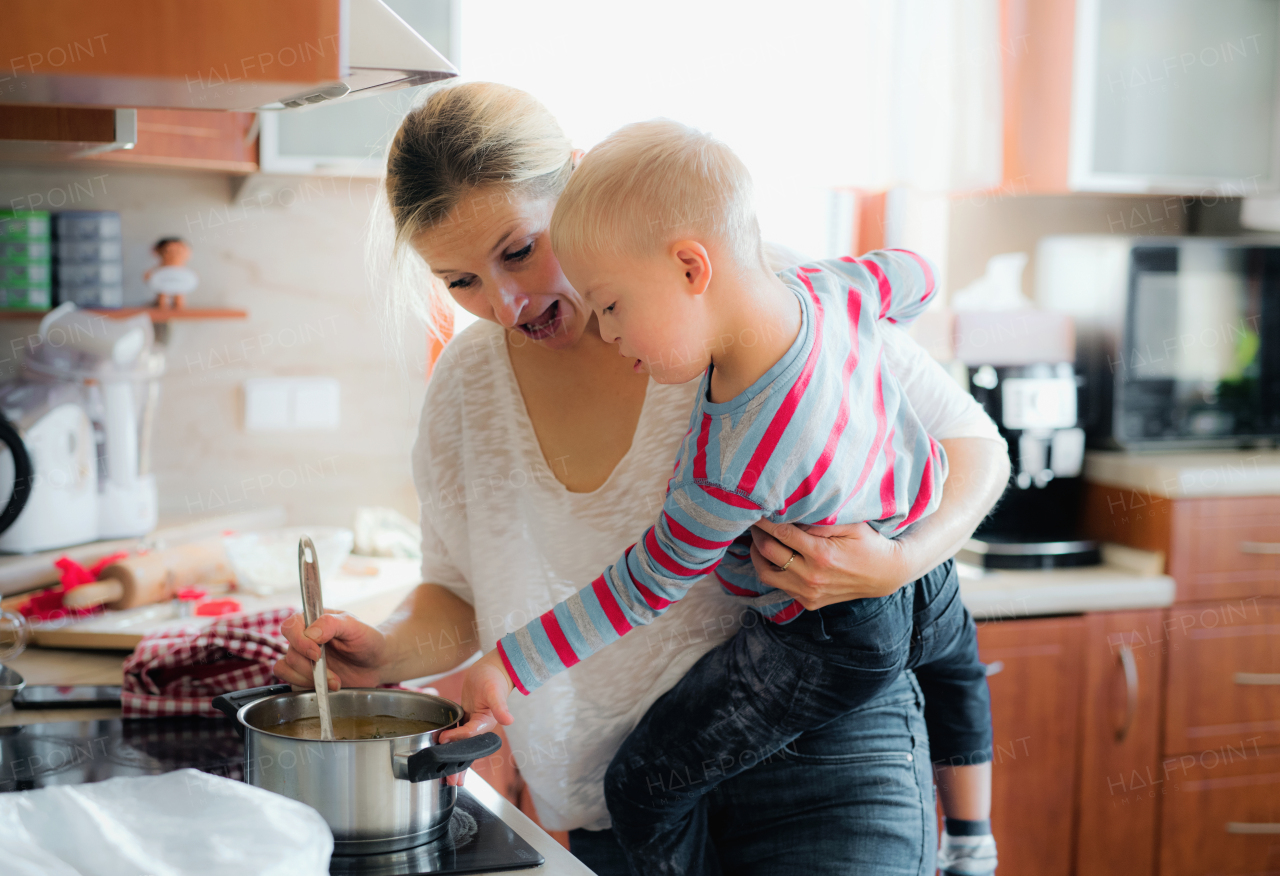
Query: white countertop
point(1009, 595)
point(558, 859)
point(22, 572)
point(1202, 474)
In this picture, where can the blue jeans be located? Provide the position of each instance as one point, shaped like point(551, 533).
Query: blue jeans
point(852, 797)
point(767, 685)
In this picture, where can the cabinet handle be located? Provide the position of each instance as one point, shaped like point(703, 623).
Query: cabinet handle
point(995, 668)
point(1260, 547)
point(1253, 827)
point(1257, 678)
point(1131, 691)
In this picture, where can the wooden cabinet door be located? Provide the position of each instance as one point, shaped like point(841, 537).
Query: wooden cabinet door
point(1035, 674)
point(191, 139)
point(1120, 778)
point(1226, 548)
point(1224, 676)
point(1222, 814)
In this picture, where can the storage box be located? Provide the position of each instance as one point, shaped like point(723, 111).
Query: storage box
point(25, 275)
point(21, 226)
point(86, 225)
point(88, 250)
point(90, 274)
point(92, 294)
point(25, 251)
point(24, 299)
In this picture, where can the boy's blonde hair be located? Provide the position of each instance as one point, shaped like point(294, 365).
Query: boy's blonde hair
point(651, 183)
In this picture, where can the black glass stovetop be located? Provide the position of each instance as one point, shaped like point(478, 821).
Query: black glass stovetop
point(74, 752)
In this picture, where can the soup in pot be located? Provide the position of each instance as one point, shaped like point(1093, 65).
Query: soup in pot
point(355, 727)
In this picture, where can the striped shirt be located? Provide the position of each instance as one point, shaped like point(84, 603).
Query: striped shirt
point(824, 437)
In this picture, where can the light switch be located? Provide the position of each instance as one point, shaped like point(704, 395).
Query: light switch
point(278, 404)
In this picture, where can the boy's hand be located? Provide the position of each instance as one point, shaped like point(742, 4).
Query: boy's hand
point(484, 703)
point(484, 697)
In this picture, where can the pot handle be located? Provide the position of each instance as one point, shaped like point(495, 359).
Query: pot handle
point(438, 761)
point(230, 703)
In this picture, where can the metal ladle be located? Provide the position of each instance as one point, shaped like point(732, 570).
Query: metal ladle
point(312, 608)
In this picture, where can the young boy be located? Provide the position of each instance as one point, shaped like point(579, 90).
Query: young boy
point(797, 420)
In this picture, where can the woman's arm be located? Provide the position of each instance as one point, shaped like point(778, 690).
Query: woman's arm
point(839, 563)
point(431, 632)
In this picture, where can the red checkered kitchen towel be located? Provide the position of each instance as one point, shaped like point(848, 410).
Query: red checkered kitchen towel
point(178, 671)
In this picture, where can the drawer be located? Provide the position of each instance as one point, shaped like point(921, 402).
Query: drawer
point(1223, 675)
point(1222, 548)
point(1221, 814)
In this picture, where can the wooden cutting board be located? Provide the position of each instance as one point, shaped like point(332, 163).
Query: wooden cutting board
point(364, 595)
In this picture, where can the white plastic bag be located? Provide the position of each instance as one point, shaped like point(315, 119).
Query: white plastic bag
point(183, 823)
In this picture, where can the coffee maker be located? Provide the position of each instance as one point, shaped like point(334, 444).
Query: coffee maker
point(1019, 368)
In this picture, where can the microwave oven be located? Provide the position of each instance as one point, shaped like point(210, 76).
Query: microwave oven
point(1177, 338)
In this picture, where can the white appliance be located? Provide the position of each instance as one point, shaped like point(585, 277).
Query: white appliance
point(60, 507)
point(83, 407)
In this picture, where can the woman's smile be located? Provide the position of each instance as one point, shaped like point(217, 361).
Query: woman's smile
point(545, 325)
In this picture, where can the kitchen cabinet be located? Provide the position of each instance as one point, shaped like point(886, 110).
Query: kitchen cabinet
point(1224, 676)
point(1035, 675)
point(1075, 709)
point(1135, 96)
point(190, 139)
point(1215, 547)
point(28, 132)
point(1222, 815)
point(228, 55)
point(234, 54)
point(1217, 784)
point(1119, 777)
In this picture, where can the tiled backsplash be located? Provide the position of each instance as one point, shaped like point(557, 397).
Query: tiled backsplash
point(294, 261)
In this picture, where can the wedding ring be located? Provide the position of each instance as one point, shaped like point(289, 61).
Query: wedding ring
point(790, 561)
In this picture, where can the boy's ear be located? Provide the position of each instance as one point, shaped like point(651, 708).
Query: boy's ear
point(695, 263)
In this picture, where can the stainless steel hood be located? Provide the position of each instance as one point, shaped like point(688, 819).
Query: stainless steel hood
point(234, 55)
point(383, 54)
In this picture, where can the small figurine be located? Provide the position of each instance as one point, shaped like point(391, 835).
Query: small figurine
point(171, 280)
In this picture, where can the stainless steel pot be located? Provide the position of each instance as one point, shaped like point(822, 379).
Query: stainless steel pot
point(378, 795)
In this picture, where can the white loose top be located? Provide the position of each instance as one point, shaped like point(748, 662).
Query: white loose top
point(502, 533)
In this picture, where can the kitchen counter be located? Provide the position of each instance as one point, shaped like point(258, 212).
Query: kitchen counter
point(989, 595)
point(558, 859)
point(1203, 474)
point(20, 572)
point(371, 598)
point(1008, 594)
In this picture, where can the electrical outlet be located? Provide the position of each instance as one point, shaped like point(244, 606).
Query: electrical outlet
point(287, 404)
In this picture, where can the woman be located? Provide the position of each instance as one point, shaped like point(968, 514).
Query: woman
point(542, 455)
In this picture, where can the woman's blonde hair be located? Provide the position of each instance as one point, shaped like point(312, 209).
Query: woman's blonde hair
point(650, 183)
point(458, 138)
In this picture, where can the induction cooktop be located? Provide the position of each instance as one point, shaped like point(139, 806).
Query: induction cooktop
point(74, 752)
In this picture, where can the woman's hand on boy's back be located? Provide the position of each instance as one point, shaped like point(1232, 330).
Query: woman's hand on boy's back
point(832, 563)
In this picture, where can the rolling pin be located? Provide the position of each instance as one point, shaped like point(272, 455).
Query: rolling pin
point(154, 577)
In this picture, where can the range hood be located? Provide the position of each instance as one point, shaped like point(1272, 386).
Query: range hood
point(230, 55)
point(384, 54)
